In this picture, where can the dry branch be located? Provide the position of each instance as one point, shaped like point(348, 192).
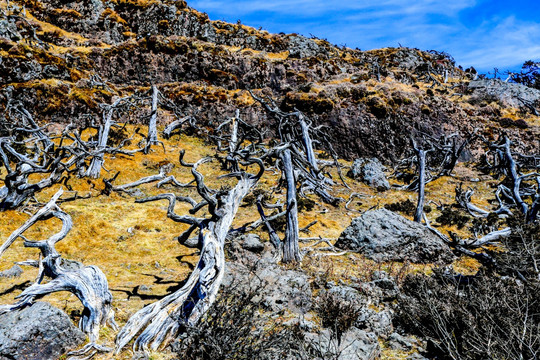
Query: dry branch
point(88, 283)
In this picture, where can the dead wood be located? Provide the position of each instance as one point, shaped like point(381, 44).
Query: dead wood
point(88, 283)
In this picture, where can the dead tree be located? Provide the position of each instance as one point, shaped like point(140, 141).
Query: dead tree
point(298, 163)
point(157, 324)
point(291, 249)
point(444, 154)
point(162, 178)
point(88, 283)
point(517, 189)
point(463, 198)
point(96, 164)
point(451, 150)
point(151, 138)
point(421, 169)
point(21, 159)
point(440, 162)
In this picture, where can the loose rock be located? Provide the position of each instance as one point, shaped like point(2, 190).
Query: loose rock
point(371, 172)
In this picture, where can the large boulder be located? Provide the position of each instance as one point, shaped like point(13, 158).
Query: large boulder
point(383, 236)
point(371, 172)
point(508, 94)
point(39, 332)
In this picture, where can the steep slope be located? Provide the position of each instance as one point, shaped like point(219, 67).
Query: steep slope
point(52, 50)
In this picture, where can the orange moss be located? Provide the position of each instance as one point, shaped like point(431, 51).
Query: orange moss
point(67, 13)
point(112, 15)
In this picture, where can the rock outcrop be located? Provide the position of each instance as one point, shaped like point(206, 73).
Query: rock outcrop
point(38, 332)
point(508, 94)
point(386, 236)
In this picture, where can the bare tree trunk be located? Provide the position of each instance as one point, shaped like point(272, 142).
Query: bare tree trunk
point(421, 158)
point(94, 169)
point(274, 238)
point(151, 138)
point(88, 283)
point(515, 177)
point(308, 147)
point(291, 249)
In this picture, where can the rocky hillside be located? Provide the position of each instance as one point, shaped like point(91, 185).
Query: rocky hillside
point(65, 58)
point(371, 283)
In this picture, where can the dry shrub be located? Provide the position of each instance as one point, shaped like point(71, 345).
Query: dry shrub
point(337, 313)
point(236, 328)
point(486, 316)
point(406, 206)
point(450, 216)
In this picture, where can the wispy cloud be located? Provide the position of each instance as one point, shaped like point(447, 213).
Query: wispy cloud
point(497, 40)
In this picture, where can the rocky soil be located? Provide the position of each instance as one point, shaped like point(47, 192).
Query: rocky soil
point(65, 60)
point(51, 52)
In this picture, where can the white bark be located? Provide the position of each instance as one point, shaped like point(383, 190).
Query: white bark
point(88, 283)
point(159, 323)
point(151, 138)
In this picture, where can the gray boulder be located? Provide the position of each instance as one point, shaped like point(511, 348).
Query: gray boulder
point(279, 288)
point(355, 344)
point(14, 272)
point(39, 332)
point(371, 172)
point(382, 235)
point(508, 94)
point(251, 242)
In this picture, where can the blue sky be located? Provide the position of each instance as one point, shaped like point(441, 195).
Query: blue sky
point(480, 33)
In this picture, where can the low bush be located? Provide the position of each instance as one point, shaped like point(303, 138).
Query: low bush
point(491, 315)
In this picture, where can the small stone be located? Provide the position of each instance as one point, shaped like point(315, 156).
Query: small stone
point(251, 242)
point(12, 272)
point(371, 172)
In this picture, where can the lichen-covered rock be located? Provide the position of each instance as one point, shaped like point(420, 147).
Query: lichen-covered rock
point(279, 288)
point(371, 172)
point(386, 236)
point(13, 272)
point(39, 332)
point(508, 94)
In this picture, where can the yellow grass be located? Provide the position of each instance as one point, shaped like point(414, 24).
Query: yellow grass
point(134, 244)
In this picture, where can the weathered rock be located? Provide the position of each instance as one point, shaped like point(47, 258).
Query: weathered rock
point(346, 293)
point(379, 323)
point(301, 47)
point(383, 287)
point(279, 288)
point(13, 272)
point(508, 94)
point(383, 236)
point(371, 172)
point(38, 332)
point(355, 344)
point(400, 342)
point(251, 242)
